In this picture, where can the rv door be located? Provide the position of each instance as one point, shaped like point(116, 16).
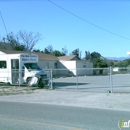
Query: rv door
point(15, 71)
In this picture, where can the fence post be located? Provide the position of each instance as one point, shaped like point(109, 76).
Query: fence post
point(19, 81)
point(110, 80)
point(51, 80)
point(77, 78)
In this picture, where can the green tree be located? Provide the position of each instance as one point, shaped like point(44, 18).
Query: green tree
point(57, 53)
point(77, 53)
point(98, 63)
point(48, 49)
point(64, 51)
point(95, 55)
point(87, 55)
point(110, 62)
point(36, 50)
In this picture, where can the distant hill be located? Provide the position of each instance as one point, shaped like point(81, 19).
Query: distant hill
point(117, 58)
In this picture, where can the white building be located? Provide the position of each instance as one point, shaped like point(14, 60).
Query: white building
point(75, 66)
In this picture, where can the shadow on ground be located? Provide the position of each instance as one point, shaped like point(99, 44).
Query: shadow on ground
point(63, 84)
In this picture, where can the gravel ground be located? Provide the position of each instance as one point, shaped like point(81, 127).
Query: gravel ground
point(115, 101)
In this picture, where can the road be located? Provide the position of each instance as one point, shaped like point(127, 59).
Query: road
point(32, 116)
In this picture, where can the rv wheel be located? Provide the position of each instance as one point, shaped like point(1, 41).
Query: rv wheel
point(28, 81)
point(41, 84)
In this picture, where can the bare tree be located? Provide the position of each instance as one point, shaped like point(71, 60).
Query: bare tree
point(3, 45)
point(29, 39)
point(11, 42)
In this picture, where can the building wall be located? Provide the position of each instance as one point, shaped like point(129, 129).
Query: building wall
point(68, 67)
point(44, 64)
point(2, 52)
point(78, 67)
point(84, 67)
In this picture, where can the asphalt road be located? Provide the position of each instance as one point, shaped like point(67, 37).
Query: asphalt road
point(33, 116)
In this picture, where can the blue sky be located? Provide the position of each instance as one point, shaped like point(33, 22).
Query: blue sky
point(82, 28)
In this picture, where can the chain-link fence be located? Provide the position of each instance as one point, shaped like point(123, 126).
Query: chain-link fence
point(121, 79)
point(92, 79)
point(81, 79)
point(16, 77)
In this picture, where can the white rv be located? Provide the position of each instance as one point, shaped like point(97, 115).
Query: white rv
point(20, 68)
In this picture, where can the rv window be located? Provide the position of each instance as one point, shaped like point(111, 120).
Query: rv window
point(23, 69)
point(3, 64)
point(32, 66)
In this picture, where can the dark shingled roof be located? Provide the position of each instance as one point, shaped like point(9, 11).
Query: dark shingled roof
point(41, 56)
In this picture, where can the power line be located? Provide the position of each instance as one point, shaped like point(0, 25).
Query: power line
point(3, 23)
point(88, 21)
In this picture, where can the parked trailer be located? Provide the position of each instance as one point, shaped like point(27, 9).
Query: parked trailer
point(21, 69)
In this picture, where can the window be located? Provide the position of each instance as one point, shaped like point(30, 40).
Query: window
point(3, 64)
point(32, 66)
point(55, 65)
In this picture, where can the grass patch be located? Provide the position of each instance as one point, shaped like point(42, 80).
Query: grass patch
point(121, 92)
point(15, 90)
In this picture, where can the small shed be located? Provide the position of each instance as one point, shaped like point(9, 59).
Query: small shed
point(75, 66)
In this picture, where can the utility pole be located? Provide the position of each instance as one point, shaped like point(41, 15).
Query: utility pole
point(3, 23)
